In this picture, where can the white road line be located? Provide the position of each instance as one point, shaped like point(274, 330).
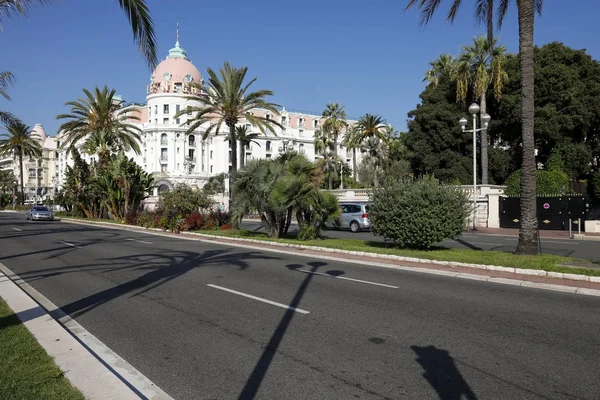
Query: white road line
point(139, 241)
point(548, 241)
point(348, 279)
point(273, 303)
point(17, 229)
point(70, 244)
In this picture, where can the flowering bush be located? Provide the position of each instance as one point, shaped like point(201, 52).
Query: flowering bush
point(225, 227)
point(195, 221)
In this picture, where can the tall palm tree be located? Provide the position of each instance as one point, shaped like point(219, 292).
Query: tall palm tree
point(246, 138)
point(443, 66)
point(7, 79)
point(526, 10)
point(18, 142)
point(324, 146)
point(99, 124)
point(335, 121)
point(137, 12)
point(480, 66)
point(371, 126)
point(376, 149)
point(227, 101)
point(351, 141)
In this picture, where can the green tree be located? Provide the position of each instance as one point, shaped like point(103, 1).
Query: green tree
point(334, 122)
point(215, 184)
point(276, 189)
point(137, 13)
point(227, 102)
point(528, 235)
point(479, 67)
point(7, 79)
point(352, 141)
point(443, 66)
point(182, 201)
point(100, 125)
point(18, 142)
point(245, 139)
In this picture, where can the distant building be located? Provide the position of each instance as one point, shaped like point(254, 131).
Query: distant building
point(39, 174)
point(176, 157)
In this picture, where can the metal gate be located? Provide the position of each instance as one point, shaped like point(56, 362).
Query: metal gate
point(553, 212)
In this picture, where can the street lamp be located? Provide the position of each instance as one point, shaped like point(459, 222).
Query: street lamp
point(474, 110)
point(341, 175)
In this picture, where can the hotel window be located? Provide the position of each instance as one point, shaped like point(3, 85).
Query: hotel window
point(178, 121)
point(177, 108)
point(156, 109)
point(283, 121)
point(149, 111)
point(165, 109)
point(268, 145)
point(177, 87)
point(189, 110)
point(165, 121)
point(301, 122)
point(210, 157)
point(211, 169)
point(163, 167)
point(301, 132)
point(316, 123)
point(268, 116)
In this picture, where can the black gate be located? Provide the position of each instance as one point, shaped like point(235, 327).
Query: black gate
point(552, 212)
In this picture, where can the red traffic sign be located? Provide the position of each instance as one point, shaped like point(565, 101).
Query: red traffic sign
point(546, 206)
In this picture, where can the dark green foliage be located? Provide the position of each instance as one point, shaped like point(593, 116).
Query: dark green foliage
point(418, 213)
point(215, 184)
point(548, 183)
point(182, 201)
point(277, 189)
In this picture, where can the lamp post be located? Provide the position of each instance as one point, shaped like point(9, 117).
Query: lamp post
point(474, 110)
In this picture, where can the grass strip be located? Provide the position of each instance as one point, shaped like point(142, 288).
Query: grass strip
point(545, 262)
point(26, 370)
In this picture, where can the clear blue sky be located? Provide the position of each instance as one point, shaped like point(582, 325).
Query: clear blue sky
point(368, 55)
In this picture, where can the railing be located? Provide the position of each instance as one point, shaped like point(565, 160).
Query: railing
point(482, 190)
point(164, 142)
point(192, 143)
point(164, 158)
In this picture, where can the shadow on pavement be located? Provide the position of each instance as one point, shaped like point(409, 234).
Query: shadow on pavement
point(442, 374)
point(262, 366)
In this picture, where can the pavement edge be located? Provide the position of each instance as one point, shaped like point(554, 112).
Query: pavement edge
point(90, 366)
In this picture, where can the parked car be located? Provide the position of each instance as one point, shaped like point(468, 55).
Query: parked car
point(354, 216)
point(39, 213)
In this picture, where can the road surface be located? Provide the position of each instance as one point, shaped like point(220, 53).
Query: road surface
point(208, 321)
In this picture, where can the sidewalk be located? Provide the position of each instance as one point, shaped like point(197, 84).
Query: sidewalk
point(570, 283)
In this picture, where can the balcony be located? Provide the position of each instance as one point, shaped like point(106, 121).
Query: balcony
point(164, 158)
point(192, 143)
point(164, 142)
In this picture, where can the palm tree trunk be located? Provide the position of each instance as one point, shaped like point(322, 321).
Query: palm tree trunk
point(330, 181)
point(242, 155)
point(484, 143)
point(528, 234)
point(354, 163)
point(22, 186)
point(375, 178)
point(233, 173)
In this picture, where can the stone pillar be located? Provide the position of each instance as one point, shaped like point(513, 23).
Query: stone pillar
point(493, 219)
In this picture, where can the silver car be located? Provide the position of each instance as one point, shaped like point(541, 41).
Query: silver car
point(354, 216)
point(39, 213)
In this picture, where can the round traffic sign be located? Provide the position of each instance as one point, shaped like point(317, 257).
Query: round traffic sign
point(222, 207)
point(546, 206)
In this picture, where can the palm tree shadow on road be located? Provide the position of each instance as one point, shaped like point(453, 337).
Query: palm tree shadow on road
point(262, 366)
point(442, 374)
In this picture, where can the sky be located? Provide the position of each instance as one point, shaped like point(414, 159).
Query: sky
point(369, 56)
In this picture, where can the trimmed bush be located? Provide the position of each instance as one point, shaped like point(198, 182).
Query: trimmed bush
point(418, 213)
point(548, 183)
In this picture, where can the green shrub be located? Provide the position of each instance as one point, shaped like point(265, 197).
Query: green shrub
point(548, 183)
point(182, 201)
point(417, 213)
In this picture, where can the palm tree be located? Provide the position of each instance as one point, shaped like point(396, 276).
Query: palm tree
point(18, 142)
point(351, 141)
point(99, 124)
point(444, 66)
point(335, 122)
point(526, 9)
point(371, 126)
point(7, 79)
point(136, 10)
point(324, 146)
point(376, 150)
point(226, 102)
point(479, 66)
point(245, 138)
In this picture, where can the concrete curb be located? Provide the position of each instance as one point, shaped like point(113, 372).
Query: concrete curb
point(486, 278)
point(90, 366)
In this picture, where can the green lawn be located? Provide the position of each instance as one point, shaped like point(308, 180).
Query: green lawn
point(544, 262)
point(26, 370)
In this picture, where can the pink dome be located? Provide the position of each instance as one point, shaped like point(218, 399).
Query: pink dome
point(38, 132)
point(175, 73)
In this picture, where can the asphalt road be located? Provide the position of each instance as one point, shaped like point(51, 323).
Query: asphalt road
point(585, 250)
point(420, 337)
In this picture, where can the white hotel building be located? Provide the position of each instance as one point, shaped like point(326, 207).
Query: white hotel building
point(176, 157)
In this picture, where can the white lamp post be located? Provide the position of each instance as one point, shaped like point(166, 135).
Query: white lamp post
point(341, 175)
point(474, 110)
